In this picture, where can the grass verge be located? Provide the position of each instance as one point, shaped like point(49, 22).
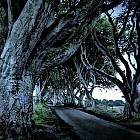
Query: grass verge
point(43, 115)
point(105, 112)
point(113, 116)
point(136, 119)
point(50, 126)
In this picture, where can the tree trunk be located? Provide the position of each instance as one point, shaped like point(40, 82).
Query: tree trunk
point(127, 111)
point(131, 108)
point(17, 106)
point(38, 93)
point(80, 102)
point(90, 102)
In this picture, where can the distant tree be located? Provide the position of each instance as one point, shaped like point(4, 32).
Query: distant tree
point(98, 101)
point(105, 102)
point(110, 104)
point(118, 103)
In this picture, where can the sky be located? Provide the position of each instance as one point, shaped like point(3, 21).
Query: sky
point(108, 94)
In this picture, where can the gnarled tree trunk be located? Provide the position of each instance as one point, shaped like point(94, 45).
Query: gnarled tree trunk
point(17, 106)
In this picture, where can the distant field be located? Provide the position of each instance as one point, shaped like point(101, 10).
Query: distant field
point(119, 109)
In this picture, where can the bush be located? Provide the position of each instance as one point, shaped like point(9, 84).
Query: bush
point(136, 118)
point(118, 116)
point(111, 111)
point(110, 104)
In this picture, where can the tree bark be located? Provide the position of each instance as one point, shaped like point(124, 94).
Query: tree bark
point(17, 106)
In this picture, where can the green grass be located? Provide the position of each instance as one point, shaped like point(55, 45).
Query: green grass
point(41, 116)
point(111, 113)
point(136, 118)
point(1, 137)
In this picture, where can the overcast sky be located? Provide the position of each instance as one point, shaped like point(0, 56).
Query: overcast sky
point(107, 94)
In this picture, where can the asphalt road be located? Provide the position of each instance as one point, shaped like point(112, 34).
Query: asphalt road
point(89, 127)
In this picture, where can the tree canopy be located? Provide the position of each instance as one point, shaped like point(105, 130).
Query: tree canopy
point(65, 45)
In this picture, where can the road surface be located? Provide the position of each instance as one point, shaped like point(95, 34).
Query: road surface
point(89, 127)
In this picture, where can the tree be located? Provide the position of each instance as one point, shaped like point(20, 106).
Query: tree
point(105, 102)
point(110, 103)
point(125, 38)
point(29, 37)
point(71, 75)
point(118, 103)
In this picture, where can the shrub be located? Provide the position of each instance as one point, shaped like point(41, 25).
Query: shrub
point(136, 118)
point(111, 111)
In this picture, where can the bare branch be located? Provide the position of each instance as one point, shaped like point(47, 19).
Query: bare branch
point(125, 22)
point(113, 4)
point(131, 34)
point(130, 61)
point(119, 54)
point(10, 17)
point(105, 52)
point(111, 78)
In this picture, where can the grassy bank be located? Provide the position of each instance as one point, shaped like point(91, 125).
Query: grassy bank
point(136, 119)
point(114, 116)
point(44, 115)
point(50, 126)
point(109, 112)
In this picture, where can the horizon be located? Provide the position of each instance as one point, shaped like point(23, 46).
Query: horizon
point(109, 94)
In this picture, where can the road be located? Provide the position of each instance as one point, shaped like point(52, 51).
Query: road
point(89, 127)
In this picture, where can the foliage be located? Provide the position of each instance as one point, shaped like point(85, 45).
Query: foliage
point(102, 111)
point(110, 104)
point(1, 137)
point(105, 101)
point(115, 102)
point(40, 115)
point(66, 5)
point(118, 103)
point(104, 32)
point(97, 101)
point(110, 113)
point(136, 118)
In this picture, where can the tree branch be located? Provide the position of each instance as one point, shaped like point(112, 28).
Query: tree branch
point(110, 6)
point(125, 21)
point(105, 51)
point(119, 54)
point(101, 72)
